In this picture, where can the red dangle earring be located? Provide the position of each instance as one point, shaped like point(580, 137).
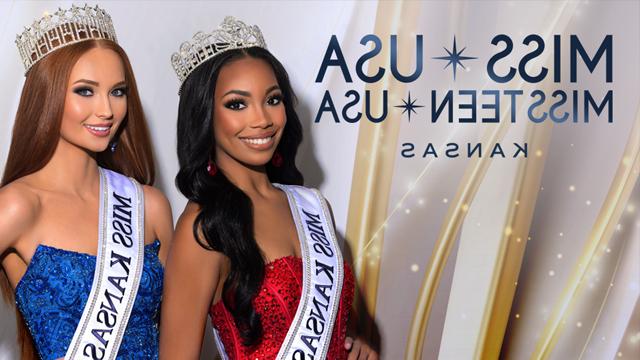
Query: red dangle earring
point(211, 168)
point(277, 159)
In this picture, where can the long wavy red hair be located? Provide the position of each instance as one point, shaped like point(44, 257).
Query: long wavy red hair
point(36, 132)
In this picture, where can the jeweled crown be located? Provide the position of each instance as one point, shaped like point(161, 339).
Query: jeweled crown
point(62, 28)
point(231, 34)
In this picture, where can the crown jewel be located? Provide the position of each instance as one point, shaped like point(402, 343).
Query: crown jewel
point(64, 27)
point(231, 34)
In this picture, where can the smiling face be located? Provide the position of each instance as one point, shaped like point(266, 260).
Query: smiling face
point(249, 115)
point(95, 102)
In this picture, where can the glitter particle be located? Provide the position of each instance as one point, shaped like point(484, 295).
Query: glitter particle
point(407, 211)
point(579, 324)
point(538, 153)
point(572, 188)
point(445, 200)
point(415, 268)
point(517, 316)
point(588, 202)
point(559, 256)
point(552, 273)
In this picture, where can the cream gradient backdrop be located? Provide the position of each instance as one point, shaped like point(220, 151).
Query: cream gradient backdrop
point(456, 258)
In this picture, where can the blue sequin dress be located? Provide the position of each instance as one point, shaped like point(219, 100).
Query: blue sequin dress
point(52, 293)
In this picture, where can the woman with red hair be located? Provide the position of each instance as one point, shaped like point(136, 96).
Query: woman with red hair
point(80, 226)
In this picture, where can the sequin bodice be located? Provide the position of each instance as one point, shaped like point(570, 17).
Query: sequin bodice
point(52, 293)
point(277, 303)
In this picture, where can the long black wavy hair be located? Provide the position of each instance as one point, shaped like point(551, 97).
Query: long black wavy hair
point(225, 221)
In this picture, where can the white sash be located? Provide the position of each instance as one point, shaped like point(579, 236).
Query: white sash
point(323, 271)
point(310, 331)
point(118, 269)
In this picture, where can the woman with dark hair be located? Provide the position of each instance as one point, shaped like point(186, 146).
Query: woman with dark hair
point(79, 257)
point(253, 248)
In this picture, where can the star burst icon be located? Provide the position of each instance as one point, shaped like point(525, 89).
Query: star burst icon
point(455, 57)
point(409, 106)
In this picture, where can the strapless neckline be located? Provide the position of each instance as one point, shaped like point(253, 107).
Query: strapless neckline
point(43, 247)
point(282, 258)
point(156, 241)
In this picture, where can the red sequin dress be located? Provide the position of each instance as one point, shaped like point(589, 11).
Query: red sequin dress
point(277, 303)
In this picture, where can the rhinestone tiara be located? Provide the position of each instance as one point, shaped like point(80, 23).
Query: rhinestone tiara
point(231, 34)
point(64, 27)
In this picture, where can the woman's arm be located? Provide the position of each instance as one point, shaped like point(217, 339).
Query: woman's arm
point(158, 212)
point(19, 209)
point(190, 282)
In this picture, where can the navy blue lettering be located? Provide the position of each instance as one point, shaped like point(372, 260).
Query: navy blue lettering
point(334, 47)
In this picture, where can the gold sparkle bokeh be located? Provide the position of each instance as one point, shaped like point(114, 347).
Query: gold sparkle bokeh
point(601, 232)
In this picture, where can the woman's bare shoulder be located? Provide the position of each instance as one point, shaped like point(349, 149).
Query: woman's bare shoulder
point(19, 209)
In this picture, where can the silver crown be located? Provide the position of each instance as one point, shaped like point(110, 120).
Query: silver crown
point(64, 27)
point(231, 34)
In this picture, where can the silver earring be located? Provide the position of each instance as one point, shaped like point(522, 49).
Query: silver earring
point(113, 146)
